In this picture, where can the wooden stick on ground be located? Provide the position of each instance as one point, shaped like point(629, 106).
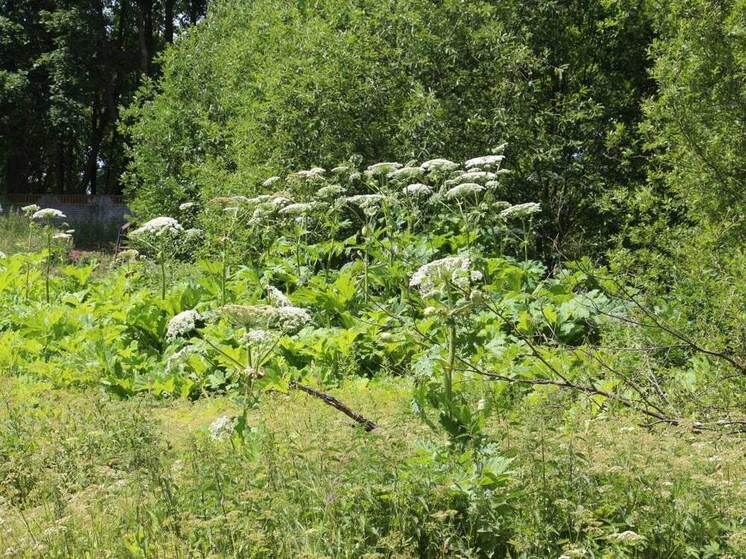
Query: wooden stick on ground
point(367, 424)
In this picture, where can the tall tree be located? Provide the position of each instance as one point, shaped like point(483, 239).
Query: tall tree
point(65, 68)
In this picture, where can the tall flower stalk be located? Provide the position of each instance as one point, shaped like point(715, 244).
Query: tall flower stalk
point(47, 217)
point(28, 211)
point(161, 237)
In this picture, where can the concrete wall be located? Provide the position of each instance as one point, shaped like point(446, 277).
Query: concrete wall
point(109, 209)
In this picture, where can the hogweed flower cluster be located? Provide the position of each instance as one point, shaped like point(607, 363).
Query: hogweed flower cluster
point(47, 214)
point(268, 183)
point(417, 190)
point(443, 165)
point(432, 278)
point(407, 173)
point(182, 324)
point(288, 319)
point(223, 427)
point(277, 297)
point(382, 169)
point(486, 161)
point(481, 177)
point(258, 336)
point(29, 210)
point(299, 209)
point(180, 356)
point(521, 210)
point(463, 190)
point(331, 191)
point(158, 227)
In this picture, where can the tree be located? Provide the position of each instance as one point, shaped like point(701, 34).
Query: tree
point(264, 86)
point(685, 238)
point(66, 67)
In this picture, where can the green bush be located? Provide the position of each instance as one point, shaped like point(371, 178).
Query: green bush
point(261, 87)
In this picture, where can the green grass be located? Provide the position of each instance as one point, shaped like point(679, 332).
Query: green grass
point(89, 235)
point(14, 234)
point(85, 475)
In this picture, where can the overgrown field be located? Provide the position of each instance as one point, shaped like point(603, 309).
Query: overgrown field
point(358, 362)
point(88, 475)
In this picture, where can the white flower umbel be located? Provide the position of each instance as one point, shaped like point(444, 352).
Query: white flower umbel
point(193, 234)
point(329, 192)
point(417, 190)
point(341, 170)
point(271, 181)
point(47, 214)
point(432, 278)
point(480, 177)
point(30, 209)
point(407, 173)
point(2, 255)
point(158, 227)
point(259, 336)
point(286, 319)
point(627, 537)
point(180, 356)
point(439, 165)
point(182, 324)
point(222, 428)
point(186, 206)
point(484, 162)
point(62, 236)
point(521, 210)
point(298, 209)
point(463, 190)
point(292, 319)
point(381, 169)
point(277, 297)
point(365, 201)
point(309, 174)
point(279, 201)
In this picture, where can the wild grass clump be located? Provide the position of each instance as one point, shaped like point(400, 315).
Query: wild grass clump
point(146, 478)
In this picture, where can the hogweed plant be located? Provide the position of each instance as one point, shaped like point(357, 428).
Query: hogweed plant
point(162, 237)
point(370, 204)
point(448, 287)
point(232, 216)
point(523, 213)
point(49, 219)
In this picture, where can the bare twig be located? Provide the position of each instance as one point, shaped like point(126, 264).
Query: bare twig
point(367, 424)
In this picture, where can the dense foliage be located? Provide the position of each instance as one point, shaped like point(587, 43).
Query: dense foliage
point(524, 339)
point(428, 275)
point(66, 66)
point(265, 86)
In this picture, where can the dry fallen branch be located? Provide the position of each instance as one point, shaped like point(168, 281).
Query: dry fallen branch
point(367, 424)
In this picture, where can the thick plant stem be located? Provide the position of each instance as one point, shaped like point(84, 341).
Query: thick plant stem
point(448, 373)
point(448, 376)
point(298, 238)
point(163, 278)
point(48, 265)
point(365, 264)
point(224, 271)
point(28, 266)
point(525, 242)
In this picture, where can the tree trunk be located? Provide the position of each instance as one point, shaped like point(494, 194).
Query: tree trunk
point(168, 21)
point(145, 35)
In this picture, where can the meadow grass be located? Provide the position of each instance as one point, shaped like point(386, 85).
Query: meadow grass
point(85, 475)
